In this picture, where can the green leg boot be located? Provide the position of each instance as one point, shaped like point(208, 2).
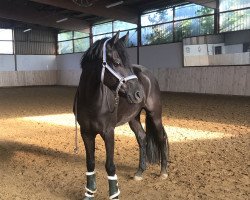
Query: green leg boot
point(91, 186)
point(113, 188)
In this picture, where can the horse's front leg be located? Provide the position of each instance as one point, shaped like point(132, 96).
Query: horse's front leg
point(140, 134)
point(89, 142)
point(110, 166)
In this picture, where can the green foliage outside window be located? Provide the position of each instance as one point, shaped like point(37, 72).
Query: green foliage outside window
point(108, 29)
point(65, 47)
point(227, 5)
point(65, 36)
point(73, 42)
point(235, 20)
point(190, 20)
point(157, 34)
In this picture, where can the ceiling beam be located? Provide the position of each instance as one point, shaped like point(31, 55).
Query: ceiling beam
point(23, 13)
point(98, 9)
point(207, 3)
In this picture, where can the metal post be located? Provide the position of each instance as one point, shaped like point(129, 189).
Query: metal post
point(217, 18)
point(14, 47)
point(138, 38)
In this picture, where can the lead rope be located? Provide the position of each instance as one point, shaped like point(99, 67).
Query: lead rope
point(76, 130)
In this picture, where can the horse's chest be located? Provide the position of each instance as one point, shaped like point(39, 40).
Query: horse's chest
point(91, 120)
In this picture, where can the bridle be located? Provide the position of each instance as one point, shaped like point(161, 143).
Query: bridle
point(120, 78)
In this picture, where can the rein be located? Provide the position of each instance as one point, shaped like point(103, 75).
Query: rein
point(120, 78)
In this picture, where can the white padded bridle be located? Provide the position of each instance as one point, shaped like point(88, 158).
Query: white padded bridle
point(105, 65)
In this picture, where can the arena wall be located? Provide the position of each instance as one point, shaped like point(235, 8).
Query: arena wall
point(169, 70)
point(165, 61)
point(25, 70)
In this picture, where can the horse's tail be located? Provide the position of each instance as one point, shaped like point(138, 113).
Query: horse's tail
point(153, 141)
point(153, 146)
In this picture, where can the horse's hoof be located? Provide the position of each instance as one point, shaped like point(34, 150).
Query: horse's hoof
point(138, 178)
point(88, 198)
point(164, 176)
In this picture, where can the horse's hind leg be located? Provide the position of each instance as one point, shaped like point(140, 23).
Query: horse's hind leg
point(89, 142)
point(140, 134)
point(156, 121)
point(108, 138)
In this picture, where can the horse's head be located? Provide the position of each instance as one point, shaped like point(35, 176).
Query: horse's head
point(117, 73)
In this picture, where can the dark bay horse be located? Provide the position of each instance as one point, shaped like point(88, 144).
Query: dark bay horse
point(112, 92)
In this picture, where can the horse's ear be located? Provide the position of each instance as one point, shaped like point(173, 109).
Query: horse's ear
point(114, 39)
point(124, 38)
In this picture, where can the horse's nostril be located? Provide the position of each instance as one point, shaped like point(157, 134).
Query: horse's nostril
point(137, 95)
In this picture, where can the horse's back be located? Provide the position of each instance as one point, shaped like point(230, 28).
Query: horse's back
point(146, 77)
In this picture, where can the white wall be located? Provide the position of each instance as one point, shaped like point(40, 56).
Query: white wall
point(235, 48)
point(132, 52)
point(69, 68)
point(69, 61)
point(7, 63)
point(27, 78)
point(165, 61)
point(31, 70)
point(36, 62)
point(162, 56)
point(232, 80)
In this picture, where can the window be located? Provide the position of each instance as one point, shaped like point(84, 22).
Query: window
point(6, 41)
point(81, 45)
point(156, 28)
point(227, 5)
point(108, 29)
point(73, 42)
point(235, 21)
point(157, 17)
point(132, 40)
point(65, 44)
point(191, 11)
point(99, 37)
point(157, 34)
point(218, 50)
point(173, 24)
point(102, 28)
point(65, 47)
point(246, 47)
point(121, 26)
point(194, 27)
point(234, 15)
point(193, 20)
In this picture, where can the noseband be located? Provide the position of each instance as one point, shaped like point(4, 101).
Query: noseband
point(120, 78)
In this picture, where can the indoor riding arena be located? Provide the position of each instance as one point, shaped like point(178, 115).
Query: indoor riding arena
point(197, 50)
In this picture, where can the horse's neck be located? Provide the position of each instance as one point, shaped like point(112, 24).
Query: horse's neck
point(93, 91)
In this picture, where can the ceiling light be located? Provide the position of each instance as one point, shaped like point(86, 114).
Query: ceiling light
point(26, 30)
point(114, 4)
point(61, 20)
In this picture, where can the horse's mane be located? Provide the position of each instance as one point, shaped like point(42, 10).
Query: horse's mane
point(94, 52)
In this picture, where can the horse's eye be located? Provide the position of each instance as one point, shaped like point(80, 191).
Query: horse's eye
point(117, 62)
